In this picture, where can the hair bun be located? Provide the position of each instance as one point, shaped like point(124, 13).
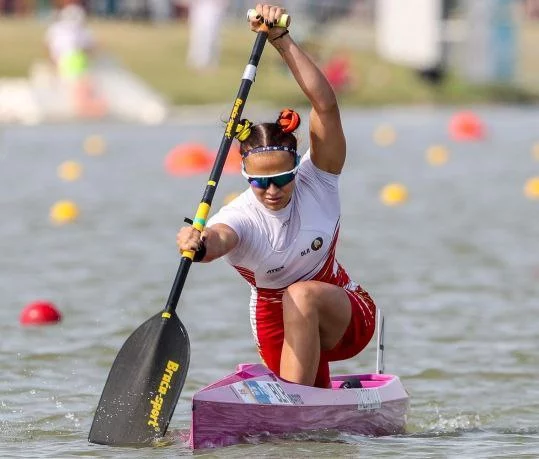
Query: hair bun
point(288, 120)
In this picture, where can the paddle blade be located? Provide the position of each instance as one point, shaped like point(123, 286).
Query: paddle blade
point(144, 384)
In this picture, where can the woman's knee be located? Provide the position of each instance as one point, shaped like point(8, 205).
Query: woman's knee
point(299, 302)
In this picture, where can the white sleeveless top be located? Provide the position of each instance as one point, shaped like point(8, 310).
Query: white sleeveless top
point(291, 244)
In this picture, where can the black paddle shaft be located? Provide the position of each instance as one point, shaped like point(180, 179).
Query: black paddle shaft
point(215, 175)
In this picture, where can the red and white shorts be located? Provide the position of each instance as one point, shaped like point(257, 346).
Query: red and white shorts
point(270, 328)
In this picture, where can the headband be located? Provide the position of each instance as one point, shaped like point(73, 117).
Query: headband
point(291, 150)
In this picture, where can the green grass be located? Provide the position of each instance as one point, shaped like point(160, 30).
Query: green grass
point(157, 54)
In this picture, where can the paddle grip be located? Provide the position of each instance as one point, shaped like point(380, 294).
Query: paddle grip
point(284, 20)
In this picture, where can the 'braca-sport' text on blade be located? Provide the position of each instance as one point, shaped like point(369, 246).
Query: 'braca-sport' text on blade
point(144, 384)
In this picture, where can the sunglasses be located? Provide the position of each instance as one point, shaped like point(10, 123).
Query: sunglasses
point(264, 181)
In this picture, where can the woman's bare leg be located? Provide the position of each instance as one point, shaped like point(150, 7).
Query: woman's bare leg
point(315, 316)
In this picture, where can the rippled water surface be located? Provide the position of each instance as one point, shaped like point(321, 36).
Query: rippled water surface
point(456, 270)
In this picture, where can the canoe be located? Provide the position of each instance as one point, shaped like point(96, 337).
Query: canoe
point(253, 401)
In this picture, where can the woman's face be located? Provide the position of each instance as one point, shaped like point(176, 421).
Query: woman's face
point(271, 163)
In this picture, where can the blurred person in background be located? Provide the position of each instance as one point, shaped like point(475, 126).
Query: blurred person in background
point(71, 46)
point(205, 18)
point(69, 41)
point(281, 233)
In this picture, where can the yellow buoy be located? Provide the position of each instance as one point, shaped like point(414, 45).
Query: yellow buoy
point(393, 194)
point(384, 135)
point(64, 212)
point(229, 198)
point(94, 145)
point(69, 170)
point(535, 151)
point(531, 189)
point(437, 155)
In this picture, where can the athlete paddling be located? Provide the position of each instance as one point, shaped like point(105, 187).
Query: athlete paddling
point(281, 233)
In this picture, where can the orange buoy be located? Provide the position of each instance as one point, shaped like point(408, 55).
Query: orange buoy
point(466, 126)
point(437, 155)
point(188, 159)
point(69, 171)
point(94, 145)
point(40, 313)
point(233, 160)
point(384, 135)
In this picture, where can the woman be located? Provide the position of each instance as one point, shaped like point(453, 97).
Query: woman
point(281, 233)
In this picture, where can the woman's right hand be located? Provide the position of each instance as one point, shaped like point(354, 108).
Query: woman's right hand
point(189, 238)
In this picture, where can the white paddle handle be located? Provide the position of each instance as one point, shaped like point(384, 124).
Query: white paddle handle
point(284, 20)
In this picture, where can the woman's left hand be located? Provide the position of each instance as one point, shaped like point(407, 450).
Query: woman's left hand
point(269, 15)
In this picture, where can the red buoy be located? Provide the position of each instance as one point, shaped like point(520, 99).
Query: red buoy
point(466, 126)
point(40, 313)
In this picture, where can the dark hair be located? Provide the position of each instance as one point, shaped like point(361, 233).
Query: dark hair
point(279, 133)
point(265, 134)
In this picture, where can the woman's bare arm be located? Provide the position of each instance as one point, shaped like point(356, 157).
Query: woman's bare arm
point(218, 239)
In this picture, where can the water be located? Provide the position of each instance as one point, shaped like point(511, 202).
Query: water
point(456, 270)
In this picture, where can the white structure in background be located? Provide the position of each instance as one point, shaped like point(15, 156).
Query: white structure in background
point(41, 98)
point(409, 32)
point(415, 33)
point(18, 103)
point(205, 21)
point(129, 98)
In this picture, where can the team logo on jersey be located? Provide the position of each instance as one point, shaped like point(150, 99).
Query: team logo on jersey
point(317, 243)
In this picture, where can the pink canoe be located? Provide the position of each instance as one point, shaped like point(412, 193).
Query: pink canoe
point(254, 401)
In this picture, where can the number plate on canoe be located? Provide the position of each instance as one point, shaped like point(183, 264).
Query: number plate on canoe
point(264, 392)
point(368, 399)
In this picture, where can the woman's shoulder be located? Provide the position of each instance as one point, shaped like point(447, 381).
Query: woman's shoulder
point(236, 207)
point(237, 201)
point(310, 174)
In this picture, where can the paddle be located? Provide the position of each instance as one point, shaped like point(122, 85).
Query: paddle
point(148, 374)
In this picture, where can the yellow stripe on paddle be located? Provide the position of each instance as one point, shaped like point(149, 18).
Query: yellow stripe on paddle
point(199, 222)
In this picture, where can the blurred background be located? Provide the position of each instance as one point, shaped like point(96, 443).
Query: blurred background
point(168, 53)
point(111, 113)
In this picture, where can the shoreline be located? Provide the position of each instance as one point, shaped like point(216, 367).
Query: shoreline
point(154, 56)
point(213, 114)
